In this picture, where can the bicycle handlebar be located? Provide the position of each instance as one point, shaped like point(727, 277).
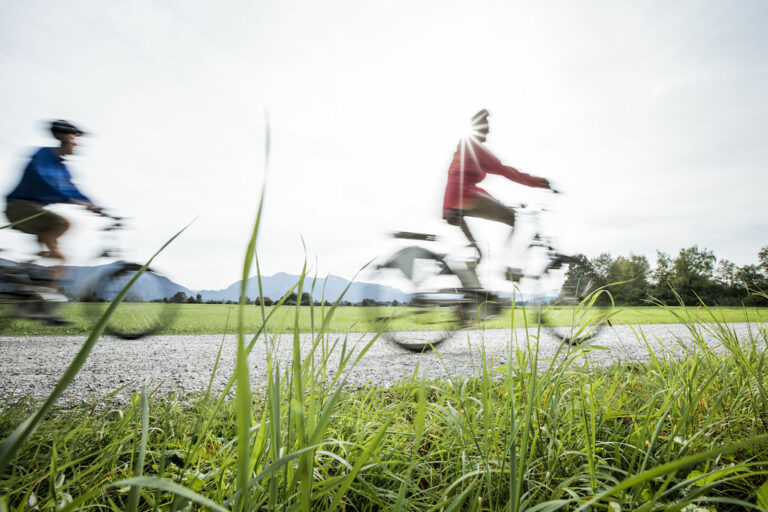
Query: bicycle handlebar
point(117, 222)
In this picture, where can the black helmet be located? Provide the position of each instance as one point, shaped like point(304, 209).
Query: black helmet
point(61, 126)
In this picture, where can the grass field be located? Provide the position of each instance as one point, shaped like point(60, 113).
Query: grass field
point(686, 429)
point(220, 318)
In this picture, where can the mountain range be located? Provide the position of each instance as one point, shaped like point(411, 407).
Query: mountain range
point(77, 281)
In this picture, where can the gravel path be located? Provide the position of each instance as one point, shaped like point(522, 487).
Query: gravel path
point(183, 363)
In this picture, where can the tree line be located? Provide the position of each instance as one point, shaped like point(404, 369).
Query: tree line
point(694, 276)
point(291, 300)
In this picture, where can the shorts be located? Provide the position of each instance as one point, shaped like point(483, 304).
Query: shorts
point(484, 207)
point(47, 222)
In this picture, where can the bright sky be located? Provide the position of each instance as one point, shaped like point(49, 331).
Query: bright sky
point(650, 116)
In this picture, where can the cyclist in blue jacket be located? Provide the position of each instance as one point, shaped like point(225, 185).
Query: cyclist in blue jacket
point(46, 180)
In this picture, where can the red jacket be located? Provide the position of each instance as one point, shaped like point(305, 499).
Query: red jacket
point(461, 190)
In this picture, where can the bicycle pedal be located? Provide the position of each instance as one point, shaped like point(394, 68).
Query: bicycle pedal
point(53, 296)
point(513, 274)
point(57, 321)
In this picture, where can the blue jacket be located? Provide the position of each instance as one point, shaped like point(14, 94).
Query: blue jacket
point(46, 180)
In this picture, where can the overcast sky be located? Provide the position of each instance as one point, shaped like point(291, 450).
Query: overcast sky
point(650, 116)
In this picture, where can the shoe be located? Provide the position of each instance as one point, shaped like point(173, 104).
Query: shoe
point(54, 255)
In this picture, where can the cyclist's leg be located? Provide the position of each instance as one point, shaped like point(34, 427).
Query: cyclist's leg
point(486, 207)
point(47, 226)
point(456, 218)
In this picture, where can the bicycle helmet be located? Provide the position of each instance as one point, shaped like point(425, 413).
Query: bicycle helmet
point(62, 126)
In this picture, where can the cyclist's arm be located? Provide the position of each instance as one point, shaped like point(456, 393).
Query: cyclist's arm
point(524, 179)
point(88, 205)
point(493, 165)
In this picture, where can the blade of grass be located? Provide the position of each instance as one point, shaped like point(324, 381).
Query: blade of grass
point(669, 467)
point(243, 389)
point(138, 467)
point(163, 484)
point(13, 442)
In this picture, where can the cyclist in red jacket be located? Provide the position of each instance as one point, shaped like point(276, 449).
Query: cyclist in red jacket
point(471, 162)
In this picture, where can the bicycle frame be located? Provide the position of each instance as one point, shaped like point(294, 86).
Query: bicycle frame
point(465, 269)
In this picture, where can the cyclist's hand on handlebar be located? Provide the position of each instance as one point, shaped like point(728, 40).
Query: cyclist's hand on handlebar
point(98, 210)
point(95, 209)
point(89, 206)
point(551, 187)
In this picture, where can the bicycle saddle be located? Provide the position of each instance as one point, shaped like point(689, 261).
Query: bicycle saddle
point(408, 235)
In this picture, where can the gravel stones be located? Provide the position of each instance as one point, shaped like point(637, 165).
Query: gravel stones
point(184, 363)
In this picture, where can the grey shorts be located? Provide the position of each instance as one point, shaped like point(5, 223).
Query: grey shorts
point(485, 207)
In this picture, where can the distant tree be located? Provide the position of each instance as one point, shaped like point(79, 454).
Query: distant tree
point(601, 268)
point(179, 297)
point(663, 270)
point(368, 302)
point(693, 273)
point(395, 303)
point(199, 298)
point(752, 283)
point(579, 274)
point(750, 277)
point(291, 300)
point(306, 299)
point(661, 276)
point(627, 279)
point(725, 273)
point(762, 257)
point(259, 300)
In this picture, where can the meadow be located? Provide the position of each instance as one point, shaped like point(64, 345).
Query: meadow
point(221, 318)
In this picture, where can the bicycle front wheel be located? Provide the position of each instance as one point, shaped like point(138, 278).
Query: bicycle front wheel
point(578, 312)
point(137, 316)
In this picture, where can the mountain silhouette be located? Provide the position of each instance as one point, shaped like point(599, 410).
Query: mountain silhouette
point(78, 281)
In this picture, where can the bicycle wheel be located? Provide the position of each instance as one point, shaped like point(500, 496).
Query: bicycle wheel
point(136, 317)
point(579, 310)
point(27, 292)
point(414, 300)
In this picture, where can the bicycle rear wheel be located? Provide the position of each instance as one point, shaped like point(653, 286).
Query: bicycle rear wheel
point(414, 305)
point(136, 317)
point(579, 311)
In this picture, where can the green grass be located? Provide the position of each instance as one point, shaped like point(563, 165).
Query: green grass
point(220, 318)
point(686, 427)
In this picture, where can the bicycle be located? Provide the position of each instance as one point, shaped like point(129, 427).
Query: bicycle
point(442, 293)
point(32, 291)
